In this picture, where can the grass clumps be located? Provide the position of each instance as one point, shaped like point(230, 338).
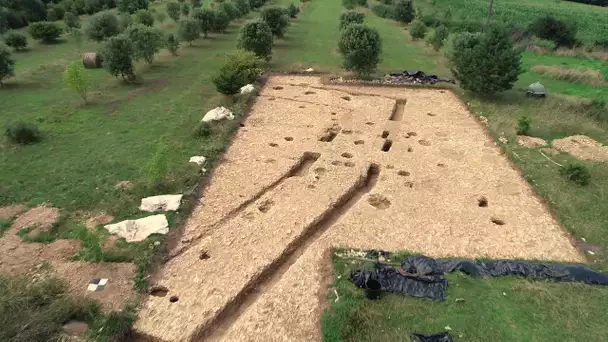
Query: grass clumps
point(576, 173)
point(523, 125)
point(23, 133)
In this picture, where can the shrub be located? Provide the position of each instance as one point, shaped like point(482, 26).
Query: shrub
point(350, 4)
point(598, 110)
point(230, 10)
point(548, 27)
point(523, 125)
point(102, 25)
point(437, 37)
point(459, 41)
point(241, 68)
point(131, 6)
point(293, 10)
point(143, 17)
point(544, 43)
point(71, 21)
point(7, 63)
point(403, 11)
point(76, 79)
point(256, 36)
point(16, 41)
point(172, 44)
point(255, 4)
point(58, 9)
point(196, 3)
point(417, 29)
point(22, 133)
point(276, 20)
point(117, 54)
point(173, 10)
point(351, 17)
point(220, 22)
point(487, 65)
point(185, 9)
point(202, 130)
point(360, 47)
point(205, 19)
point(466, 26)
point(160, 16)
point(577, 173)
point(242, 6)
point(383, 11)
point(146, 41)
point(45, 31)
point(188, 30)
point(51, 15)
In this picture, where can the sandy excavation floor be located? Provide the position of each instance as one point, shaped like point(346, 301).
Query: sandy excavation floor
point(319, 166)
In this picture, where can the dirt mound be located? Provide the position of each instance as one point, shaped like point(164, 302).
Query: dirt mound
point(582, 147)
point(41, 218)
point(8, 212)
point(95, 219)
point(530, 142)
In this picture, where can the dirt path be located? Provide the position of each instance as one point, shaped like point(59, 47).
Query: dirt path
point(319, 166)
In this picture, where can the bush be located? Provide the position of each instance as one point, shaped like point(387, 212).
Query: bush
point(45, 31)
point(430, 20)
point(523, 125)
point(202, 130)
point(360, 47)
point(22, 133)
point(488, 64)
point(76, 79)
point(205, 19)
point(7, 63)
point(160, 16)
point(185, 9)
point(350, 4)
point(51, 15)
point(417, 29)
point(293, 10)
point(172, 44)
point(188, 30)
point(437, 37)
point(230, 10)
point(383, 11)
point(117, 54)
point(255, 4)
point(16, 41)
point(124, 20)
point(276, 19)
point(71, 21)
point(241, 68)
point(146, 41)
point(577, 173)
point(459, 41)
point(256, 36)
point(403, 11)
point(548, 27)
point(221, 21)
point(466, 26)
point(143, 17)
point(242, 6)
point(351, 17)
point(102, 25)
point(543, 43)
point(131, 6)
point(173, 10)
point(196, 3)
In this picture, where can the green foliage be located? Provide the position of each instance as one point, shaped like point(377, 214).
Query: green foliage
point(293, 10)
point(160, 16)
point(22, 133)
point(202, 130)
point(146, 41)
point(360, 48)
point(523, 125)
point(196, 3)
point(173, 10)
point(350, 4)
point(543, 43)
point(230, 10)
point(101, 26)
point(16, 41)
point(76, 78)
point(351, 17)
point(157, 166)
point(241, 68)
point(45, 31)
point(221, 22)
point(71, 21)
point(124, 20)
point(172, 44)
point(276, 19)
point(117, 54)
point(577, 173)
point(255, 4)
point(143, 17)
point(131, 6)
point(256, 36)
point(383, 11)
point(487, 65)
point(205, 19)
point(188, 30)
point(417, 29)
point(4, 15)
point(51, 15)
point(403, 11)
point(7, 63)
point(460, 41)
point(242, 6)
point(92, 6)
point(548, 27)
point(185, 9)
point(437, 37)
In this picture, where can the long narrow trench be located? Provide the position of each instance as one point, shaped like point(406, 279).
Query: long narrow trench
point(273, 272)
point(398, 109)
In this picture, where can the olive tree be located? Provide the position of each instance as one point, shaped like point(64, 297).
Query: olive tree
point(360, 47)
point(7, 63)
point(45, 31)
point(75, 78)
point(143, 17)
point(256, 36)
point(71, 21)
point(276, 18)
point(146, 41)
point(205, 19)
point(131, 6)
point(173, 10)
point(117, 54)
point(188, 30)
point(16, 41)
point(101, 26)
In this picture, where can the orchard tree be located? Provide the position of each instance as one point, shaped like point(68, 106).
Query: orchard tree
point(143, 17)
point(101, 26)
point(45, 31)
point(205, 19)
point(7, 63)
point(230, 10)
point(185, 9)
point(256, 36)
point(131, 6)
point(403, 11)
point(220, 22)
point(242, 6)
point(188, 30)
point(360, 47)
point(277, 20)
point(172, 44)
point(173, 10)
point(146, 41)
point(16, 41)
point(161, 16)
point(76, 78)
point(417, 29)
point(117, 54)
point(71, 21)
point(351, 17)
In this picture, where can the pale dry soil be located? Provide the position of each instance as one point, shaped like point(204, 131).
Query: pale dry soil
point(318, 166)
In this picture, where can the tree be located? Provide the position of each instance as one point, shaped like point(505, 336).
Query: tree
point(241, 68)
point(188, 30)
point(16, 41)
point(46, 31)
point(548, 27)
point(131, 6)
point(196, 3)
point(293, 10)
point(230, 10)
point(205, 19)
point(417, 29)
point(437, 37)
point(7, 63)
point(242, 6)
point(256, 36)
point(360, 47)
point(161, 16)
point(124, 20)
point(4, 14)
point(102, 25)
point(185, 9)
point(220, 22)
point(351, 17)
point(173, 10)
point(51, 15)
point(143, 17)
point(71, 21)
point(146, 41)
point(117, 55)
point(172, 44)
point(75, 78)
point(404, 11)
point(277, 20)
point(92, 6)
point(486, 64)
point(255, 4)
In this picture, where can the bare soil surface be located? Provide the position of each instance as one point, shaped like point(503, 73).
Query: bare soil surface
point(319, 166)
point(530, 142)
point(582, 147)
point(10, 211)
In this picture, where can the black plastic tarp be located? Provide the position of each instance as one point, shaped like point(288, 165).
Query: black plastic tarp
point(441, 337)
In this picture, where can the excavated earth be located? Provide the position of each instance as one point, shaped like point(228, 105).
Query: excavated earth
point(318, 166)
